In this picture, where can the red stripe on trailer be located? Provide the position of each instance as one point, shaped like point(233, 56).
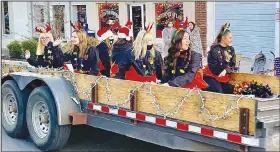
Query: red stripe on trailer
point(140, 117)
point(207, 132)
point(90, 106)
point(122, 112)
point(161, 121)
point(234, 138)
point(104, 109)
point(182, 126)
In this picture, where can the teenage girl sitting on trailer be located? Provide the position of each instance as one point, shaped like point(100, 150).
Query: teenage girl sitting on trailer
point(84, 57)
point(182, 66)
point(221, 61)
point(48, 54)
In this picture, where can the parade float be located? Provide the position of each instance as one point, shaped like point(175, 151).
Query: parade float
point(178, 118)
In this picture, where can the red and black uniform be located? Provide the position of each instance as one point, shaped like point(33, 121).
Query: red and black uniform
point(220, 58)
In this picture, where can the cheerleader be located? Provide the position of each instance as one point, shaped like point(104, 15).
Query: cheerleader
point(147, 59)
point(83, 56)
point(182, 65)
point(221, 61)
point(47, 53)
point(105, 50)
point(121, 53)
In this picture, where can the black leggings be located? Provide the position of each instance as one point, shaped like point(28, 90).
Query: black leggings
point(216, 86)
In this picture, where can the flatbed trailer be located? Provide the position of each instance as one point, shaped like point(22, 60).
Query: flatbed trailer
point(44, 103)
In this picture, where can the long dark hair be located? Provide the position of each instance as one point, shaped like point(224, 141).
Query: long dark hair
point(222, 32)
point(192, 24)
point(175, 50)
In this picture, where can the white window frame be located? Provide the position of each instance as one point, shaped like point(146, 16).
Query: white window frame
point(3, 19)
point(142, 15)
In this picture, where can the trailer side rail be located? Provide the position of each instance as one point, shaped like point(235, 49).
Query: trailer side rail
point(178, 125)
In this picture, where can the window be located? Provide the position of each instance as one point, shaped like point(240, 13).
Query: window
point(81, 14)
point(108, 12)
point(40, 15)
point(54, 15)
point(137, 16)
point(165, 11)
point(58, 20)
point(5, 13)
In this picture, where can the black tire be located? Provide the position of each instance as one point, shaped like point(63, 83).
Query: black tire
point(14, 127)
point(57, 135)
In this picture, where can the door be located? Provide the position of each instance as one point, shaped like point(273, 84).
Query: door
point(252, 26)
point(137, 17)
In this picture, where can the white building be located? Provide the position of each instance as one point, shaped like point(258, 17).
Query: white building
point(87, 12)
point(253, 23)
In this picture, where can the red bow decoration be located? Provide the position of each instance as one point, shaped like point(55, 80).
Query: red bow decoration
point(45, 29)
point(78, 25)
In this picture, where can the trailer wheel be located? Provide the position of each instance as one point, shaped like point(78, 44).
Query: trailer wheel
point(42, 122)
point(14, 109)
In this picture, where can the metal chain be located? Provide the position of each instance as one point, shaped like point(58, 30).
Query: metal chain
point(87, 93)
point(228, 108)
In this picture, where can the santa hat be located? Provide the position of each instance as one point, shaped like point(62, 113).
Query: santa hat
point(104, 33)
point(116, 26)
point(128, 23)
point(123, 32)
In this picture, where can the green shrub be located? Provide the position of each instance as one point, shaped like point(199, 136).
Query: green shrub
point(15, 50)
point(35, 38)
point(30, 45)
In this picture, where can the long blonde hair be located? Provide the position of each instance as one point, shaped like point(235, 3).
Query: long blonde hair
point(41, 46)
point(107, 42)
point(140, 44)
point(83, 38)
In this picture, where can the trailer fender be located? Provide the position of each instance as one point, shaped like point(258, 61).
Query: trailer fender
point(61, 89)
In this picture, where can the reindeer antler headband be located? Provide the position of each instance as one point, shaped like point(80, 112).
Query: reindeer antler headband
point(226, 27)
point(177, 26)
point(78, 25)
point(45, 29)
point(148, 29)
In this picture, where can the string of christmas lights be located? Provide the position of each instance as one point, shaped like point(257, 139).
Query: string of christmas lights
point(210, 118)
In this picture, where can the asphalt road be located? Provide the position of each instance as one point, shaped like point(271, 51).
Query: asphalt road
point(85, 138)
